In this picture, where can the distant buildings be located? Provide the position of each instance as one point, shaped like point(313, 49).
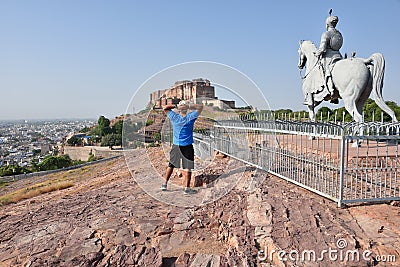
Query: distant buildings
point(189, 90)
point(24, 142)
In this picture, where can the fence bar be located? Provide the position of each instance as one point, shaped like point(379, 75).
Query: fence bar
point(343, 144)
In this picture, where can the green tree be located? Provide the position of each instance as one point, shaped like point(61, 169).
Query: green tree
point(342, 112)
point(85, 130)
point(13, 169)
point(34, 165)
point(372, 112)
point(54, 163)
point(36, 152)
point(104, 126)
point(74, 141)
point(324, 112)
point(117, 127)
point(55, 152)
point(103, 122)
point(111, 140)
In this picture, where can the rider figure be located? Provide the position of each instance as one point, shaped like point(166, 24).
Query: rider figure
point(331, 42)
point(328, 53)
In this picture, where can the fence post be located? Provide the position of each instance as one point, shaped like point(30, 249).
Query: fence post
point(212, 140)
point(341, 184)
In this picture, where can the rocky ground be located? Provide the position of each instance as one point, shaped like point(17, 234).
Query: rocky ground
point(107, 219)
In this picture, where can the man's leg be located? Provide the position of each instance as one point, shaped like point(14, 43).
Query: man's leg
point(173, 159)
point(168, 174)
point(187, 175)
point(188, 166)
point(331, 87)
point(166, 177)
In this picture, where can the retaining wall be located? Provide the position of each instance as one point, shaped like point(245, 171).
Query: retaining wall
point(82, 153)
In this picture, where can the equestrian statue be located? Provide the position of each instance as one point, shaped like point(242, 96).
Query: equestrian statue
point(329, 76)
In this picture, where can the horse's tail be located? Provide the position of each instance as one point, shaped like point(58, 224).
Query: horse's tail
point(378, 72)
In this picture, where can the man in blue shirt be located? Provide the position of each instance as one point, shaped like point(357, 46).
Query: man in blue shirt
point(182, 148)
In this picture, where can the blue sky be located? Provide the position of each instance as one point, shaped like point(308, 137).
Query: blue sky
point(64, 59)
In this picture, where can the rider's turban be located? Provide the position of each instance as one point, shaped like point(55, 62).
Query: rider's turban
point(332, 21)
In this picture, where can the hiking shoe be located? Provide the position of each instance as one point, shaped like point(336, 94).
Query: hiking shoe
point(163, 187)
point(189, 191)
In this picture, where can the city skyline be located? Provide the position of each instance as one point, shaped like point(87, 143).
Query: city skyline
point(75, 59)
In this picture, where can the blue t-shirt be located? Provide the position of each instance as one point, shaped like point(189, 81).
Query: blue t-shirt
point(183, 127)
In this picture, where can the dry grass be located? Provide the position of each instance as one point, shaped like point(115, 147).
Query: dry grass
point(29, 188)
point(3, 184)
point(34, 190)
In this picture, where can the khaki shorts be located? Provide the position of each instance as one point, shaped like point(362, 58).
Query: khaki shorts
point(182, 156)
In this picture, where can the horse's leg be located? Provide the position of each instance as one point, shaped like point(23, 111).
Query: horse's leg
point(351, 91)
point(350, 106)
point(354, 107)
point(359, 106)
point(311, 115)
point(311, 112)
point(357, 112)
point(366, 91)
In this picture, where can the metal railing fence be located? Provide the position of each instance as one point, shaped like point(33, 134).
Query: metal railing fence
point(324, 158)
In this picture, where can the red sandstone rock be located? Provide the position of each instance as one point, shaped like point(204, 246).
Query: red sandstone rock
point(106, 219)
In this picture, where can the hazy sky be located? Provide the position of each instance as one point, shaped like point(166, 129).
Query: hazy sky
point(63, 59)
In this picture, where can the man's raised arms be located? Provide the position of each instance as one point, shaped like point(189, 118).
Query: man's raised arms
point(167, 108)
point(198, 108)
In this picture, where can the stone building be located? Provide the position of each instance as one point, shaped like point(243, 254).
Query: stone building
point(221, 104)
point(183, 90)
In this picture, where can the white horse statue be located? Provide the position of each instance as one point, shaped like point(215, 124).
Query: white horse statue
point(354, 79)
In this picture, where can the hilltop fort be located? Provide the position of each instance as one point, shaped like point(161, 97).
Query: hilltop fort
point(189, 90)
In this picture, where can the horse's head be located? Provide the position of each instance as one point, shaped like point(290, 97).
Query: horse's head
point(306, 50)
point(302, 56)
